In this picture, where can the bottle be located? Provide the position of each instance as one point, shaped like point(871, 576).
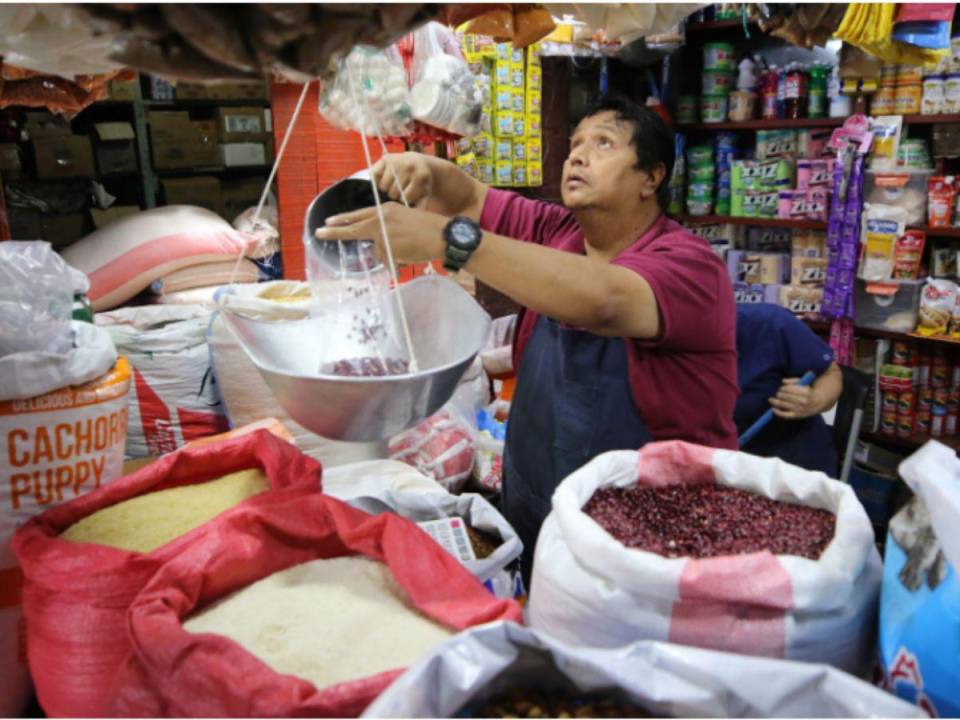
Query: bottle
point(795, 92)
point(840, 104)
point(747, 79)
point(781, 89)
point(768, 91)
point(817, 104)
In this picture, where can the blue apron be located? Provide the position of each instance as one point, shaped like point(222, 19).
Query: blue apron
point(573, 401)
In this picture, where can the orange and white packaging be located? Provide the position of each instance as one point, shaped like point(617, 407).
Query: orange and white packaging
point(56, 447)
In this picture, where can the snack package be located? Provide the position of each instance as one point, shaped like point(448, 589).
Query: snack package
point(941, 199)
point(937, 304)
point(886, 141)
point(883, 225)
point(908, 254)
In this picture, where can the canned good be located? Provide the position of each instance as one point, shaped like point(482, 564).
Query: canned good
point(901, 353)
point(905, 402)
point(713, 108)
point(922, 423)
point(888, 75)
point(953, 401)
point(743, 105)
point(884, 101)
point(718, 56)
point(888, 423)
point(951, 93)
point(908, 99)
point(905, 427)
point(950, 425)
point(925, 397)
point(718, 82)
point(955, 382)
point(940, 375)
point(924, 365)
point(940, 398)
point(937, 423)
point(909, 75)
point(890, 401)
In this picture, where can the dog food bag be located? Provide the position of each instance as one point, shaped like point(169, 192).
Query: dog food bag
point(56, 447)
point(920, 601)
point(712, 548)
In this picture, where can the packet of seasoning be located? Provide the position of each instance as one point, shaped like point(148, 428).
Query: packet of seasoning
point(942, 194)
point(908, 254)
point(886, 141)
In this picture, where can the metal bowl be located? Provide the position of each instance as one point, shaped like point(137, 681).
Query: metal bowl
point(326, 259)
point(448, 328)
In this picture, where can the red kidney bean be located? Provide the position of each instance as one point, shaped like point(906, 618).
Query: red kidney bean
point(709, 520)
point(368, 367)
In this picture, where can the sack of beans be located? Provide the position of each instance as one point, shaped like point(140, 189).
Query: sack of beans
point(84, 561)
point(308, 608)
point(467, 525)
point(920, 601)
point(712, 548)
point(505, 670)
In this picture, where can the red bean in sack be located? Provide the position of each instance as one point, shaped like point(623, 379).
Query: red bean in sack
point(76, 595)
point(175, 673)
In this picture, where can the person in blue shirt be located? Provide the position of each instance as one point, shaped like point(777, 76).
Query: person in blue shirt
point(774, 349)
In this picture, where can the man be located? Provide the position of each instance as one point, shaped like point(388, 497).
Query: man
point(628, 331)
point(774, 350)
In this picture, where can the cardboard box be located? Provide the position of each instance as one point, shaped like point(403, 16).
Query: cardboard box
point(179, 142)
point(160, 89)
point(124, 89)
point(115, 149)
point(238, 195)
point(201, 191)
point(244, 124)
point(243, 154)
point(256, 90)
point(9, 160)
point(63, 156)
point(63, 230)
point(117, 212)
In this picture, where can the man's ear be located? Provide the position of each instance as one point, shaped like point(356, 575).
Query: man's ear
point(654, 179)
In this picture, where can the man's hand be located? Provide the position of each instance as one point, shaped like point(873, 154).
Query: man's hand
point(795, 402)
point(409, 172)
point(415, 235)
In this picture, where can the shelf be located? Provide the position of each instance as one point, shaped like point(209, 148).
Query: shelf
point(264, 102)
point(775, 124)
point(756, 222)
point(946, 232)
point(717, 26)
point(930, 119)
point(909, 443)
point(822, 326)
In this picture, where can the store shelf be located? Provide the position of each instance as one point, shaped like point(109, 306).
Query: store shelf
point(719, 27)
point(822, 327)
point(161, 104)
point(930, 119)
point(908, 443)
point(946, 232)
point(775, 124)
point(756, 222)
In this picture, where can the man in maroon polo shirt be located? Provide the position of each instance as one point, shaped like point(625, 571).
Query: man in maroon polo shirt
point(628, 332)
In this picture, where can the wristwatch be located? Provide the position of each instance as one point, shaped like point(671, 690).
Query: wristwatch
point(462, 236)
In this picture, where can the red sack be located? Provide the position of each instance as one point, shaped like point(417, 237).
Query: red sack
point(76, 595)
point(175, 673)
point(441, 447)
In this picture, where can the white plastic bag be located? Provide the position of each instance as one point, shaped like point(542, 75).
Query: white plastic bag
point(444, 93)
point(666, 680)
point(369, 487)
point(369, 93)
point(36, 299)
point(441, 447)
point(589, 589)
point(174, 398)
point(29, 374)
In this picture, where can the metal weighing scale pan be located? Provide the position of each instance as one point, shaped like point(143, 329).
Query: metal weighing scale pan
point(448, 329)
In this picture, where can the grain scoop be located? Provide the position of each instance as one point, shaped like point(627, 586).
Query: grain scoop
point(447, 329)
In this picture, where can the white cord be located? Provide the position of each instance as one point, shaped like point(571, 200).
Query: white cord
point(270, 178)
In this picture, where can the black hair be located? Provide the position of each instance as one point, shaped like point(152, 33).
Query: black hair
point(652, 140)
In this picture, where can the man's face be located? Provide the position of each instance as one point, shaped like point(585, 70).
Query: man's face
point(600, 171)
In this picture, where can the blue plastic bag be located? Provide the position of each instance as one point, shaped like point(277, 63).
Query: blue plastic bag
point(920, 596)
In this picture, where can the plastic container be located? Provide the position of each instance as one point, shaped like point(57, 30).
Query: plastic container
point(884, 101)
point(719, 56)
point(817, 103)
point(795, 93)
point(713, 108)
point(933, 95)
point(718, 82)
point(905, 189)
point(951, 93)
point(894, 308)
point(688, 109)
point(913, 154)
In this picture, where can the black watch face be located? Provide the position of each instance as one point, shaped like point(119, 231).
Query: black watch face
point(464, 235)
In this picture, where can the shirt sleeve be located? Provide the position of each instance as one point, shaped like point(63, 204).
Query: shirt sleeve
point(514, 216)
point(693, 292)
point(803, 349)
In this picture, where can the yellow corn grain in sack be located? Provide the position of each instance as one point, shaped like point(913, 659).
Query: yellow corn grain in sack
point(144, 523)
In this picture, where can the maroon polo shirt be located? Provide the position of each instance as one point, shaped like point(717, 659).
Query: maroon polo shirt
point(685, 382)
